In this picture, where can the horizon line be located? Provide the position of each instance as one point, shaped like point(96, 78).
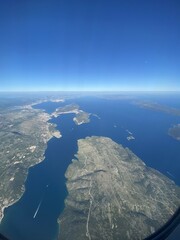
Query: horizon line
point(115, 91)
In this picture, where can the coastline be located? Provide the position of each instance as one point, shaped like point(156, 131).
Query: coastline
point(50, 131)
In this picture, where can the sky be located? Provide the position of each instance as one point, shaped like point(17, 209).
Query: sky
point(89, 45)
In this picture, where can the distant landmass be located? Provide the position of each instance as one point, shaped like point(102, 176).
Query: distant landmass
point(113, 195)
point(158, 107)
point(175, 132)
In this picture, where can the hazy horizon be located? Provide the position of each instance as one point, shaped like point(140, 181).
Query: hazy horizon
point(113, 91)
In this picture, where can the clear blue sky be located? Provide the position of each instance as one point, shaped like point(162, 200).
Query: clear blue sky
point(89, 45)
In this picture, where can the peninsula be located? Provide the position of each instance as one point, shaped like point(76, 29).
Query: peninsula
point(80, 116)
point(113, 195)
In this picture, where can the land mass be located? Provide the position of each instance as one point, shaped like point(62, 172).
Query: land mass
point(113, 195)
point(81, 116)
point(175, 132)
point(24, 133)
point(158, 107)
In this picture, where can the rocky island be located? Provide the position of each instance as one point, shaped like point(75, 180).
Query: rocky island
point(24, 133)
point(113, 195)
point(81, 116)
point(175, 132)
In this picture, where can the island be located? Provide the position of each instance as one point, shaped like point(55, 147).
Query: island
point(175, 132)
point(24, 133)
point(130, 137)
point(113, 195)
point(81, 116)
point(157, 107)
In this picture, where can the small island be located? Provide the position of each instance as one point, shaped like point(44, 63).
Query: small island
point(130, 137)
point(81, 116)
point(175, 132)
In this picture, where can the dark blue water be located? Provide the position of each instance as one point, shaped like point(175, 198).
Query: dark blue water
point(46, 181)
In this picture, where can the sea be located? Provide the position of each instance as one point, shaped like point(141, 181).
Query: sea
point(35, 215)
